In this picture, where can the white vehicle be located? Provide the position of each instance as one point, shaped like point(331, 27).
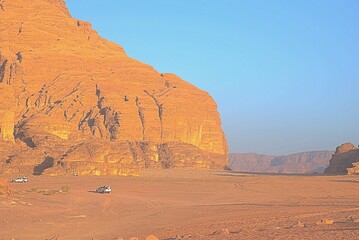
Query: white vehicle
point(103, 189)
point(20, 180)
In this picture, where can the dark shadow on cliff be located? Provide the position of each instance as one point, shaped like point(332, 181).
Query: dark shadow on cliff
point(47, 163)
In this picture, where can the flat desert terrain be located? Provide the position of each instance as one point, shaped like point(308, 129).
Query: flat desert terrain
point(183, 204)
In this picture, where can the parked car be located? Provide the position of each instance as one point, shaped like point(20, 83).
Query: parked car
point(20, 180)
point(103, 189)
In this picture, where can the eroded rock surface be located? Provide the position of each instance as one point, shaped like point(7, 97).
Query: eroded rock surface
point(344, 161)
point(73, 101)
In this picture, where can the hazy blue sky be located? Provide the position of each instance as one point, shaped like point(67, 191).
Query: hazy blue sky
point(285, 74)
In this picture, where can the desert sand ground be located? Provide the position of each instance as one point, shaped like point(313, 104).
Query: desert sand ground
point(183, 204)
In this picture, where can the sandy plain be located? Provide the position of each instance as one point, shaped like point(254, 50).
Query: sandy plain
point(182, 204)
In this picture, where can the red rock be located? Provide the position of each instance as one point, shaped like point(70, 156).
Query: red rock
point(325, 222)
point(152, 237)
point(344, 161)
point(71, 96)
point(345, 147)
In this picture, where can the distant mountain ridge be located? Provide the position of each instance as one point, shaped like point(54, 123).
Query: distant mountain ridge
point(298, 163)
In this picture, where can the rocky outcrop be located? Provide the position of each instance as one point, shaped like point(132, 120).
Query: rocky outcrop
point(344, 161)
point(72, 101)
point(299, 163)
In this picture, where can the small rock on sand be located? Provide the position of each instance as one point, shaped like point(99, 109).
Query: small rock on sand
point(53, 238)
point(224, 231)
point(178, 237)
point(325, 222)
point(354, 219)
point(298, 225)
point(152, 237)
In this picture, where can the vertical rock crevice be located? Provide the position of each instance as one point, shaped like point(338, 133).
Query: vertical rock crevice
point(2, 70)
point(143, 147)
point(19, 56)
point(2, 5)
point(111, 121)
point(102, 120)
point(160, 110)
point(12, 71)
point(164, 155)
point(142, 118)
point(133, 151)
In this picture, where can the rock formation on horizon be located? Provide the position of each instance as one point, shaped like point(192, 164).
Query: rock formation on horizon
point(299, 163)
point(344, 161)
point(72, 101)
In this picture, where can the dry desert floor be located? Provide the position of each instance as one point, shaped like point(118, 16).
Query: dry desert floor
point(182, 204)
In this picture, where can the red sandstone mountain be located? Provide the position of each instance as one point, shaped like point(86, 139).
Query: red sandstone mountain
point(73, 101)
point(345, 160)
point(299, 163)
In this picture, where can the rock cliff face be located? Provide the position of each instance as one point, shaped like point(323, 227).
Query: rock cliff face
point(299, 163)
point(72, 101)
point(344, 161)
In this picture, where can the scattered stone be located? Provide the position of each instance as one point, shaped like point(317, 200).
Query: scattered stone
point(224, 231)
point(134, 238)
point(299, 225)
point(354, 219)
point(178, 237)
point(325, 222)
point(53, 238)
point(174, 238)
point(152, 237)
point(77, 216)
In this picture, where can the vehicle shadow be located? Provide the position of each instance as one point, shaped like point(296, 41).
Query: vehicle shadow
point(92, 191)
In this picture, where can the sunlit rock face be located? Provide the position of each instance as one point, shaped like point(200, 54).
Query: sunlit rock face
point(73, 101)
point(345, 160)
